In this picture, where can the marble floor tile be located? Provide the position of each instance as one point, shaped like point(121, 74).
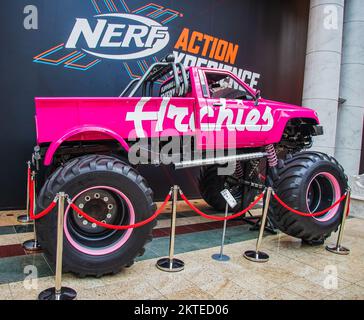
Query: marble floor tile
point(360, 283)
point(190, 293)
point(9, 218)
point(5, 293)
point(9, 239)
point(6, 230)
point(352, 292)
point(29, 290)
point(15, 269)
point(307, 289)
point(294, 272)
point(279, 293)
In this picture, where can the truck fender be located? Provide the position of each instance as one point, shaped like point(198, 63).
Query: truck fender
point(56, 144)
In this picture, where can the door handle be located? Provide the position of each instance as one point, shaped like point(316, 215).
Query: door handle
point(217, 104)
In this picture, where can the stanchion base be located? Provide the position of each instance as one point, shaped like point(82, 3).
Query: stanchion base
point(32, 246)
point(24, 218)
point(168, 265)
point(65, 294)
point(338, 250)
point(220, 257)
point(256, 256)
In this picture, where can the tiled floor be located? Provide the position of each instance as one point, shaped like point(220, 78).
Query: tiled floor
point(295, 271)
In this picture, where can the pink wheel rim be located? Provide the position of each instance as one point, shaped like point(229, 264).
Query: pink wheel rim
point(336, 195)
point(110, 249)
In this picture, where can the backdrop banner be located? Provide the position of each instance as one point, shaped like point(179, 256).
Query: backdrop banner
point(95, 47)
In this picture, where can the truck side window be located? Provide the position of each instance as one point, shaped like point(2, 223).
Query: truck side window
point(223, 86)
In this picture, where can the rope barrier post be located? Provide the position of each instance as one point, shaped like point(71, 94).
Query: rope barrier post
point(257, 255)
point(172, 264)
point(32, 245)
point(24, 218)
point(221, 256)
point(339, 249)
point(59, 292)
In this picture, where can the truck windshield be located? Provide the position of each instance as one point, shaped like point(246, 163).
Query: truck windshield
point(224, 86)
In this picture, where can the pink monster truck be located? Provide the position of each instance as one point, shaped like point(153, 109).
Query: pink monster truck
point(87, 149)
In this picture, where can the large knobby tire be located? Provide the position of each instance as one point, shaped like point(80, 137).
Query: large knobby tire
point(309, 182)
point(211, 184)
point(109, 190)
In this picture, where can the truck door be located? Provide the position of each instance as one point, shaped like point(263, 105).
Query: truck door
point(231, 115)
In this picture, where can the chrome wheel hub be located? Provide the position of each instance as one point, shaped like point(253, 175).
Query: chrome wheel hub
point(100, 205)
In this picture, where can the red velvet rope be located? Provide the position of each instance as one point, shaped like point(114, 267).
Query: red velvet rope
point(53, 204)
point(303, 214)
point(47, 210)
point(131, 226)
point(237, 215)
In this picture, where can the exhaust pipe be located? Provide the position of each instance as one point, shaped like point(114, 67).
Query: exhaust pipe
point(219, 160)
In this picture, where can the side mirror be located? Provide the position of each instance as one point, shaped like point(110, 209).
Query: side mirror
point(257, 97)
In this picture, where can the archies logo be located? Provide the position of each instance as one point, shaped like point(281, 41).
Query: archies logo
point(133, 36)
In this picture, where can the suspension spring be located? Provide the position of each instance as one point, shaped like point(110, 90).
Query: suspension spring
point(272, 156)
point(239, 173)
point(255, 165)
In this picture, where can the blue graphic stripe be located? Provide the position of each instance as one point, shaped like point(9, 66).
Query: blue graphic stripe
point(93, 3)
point(145, 64)
point(50, 52)
point(107, 5)
point(169, 20)
point(83, 69)
point(127, 70)
point(156, 13)
point(113, 5)
point(124, 6)
point(174, 15)
point(140, 66)
point(54, 63)
point(146, 8)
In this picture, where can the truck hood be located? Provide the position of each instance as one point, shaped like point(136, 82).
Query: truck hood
point(291, 109)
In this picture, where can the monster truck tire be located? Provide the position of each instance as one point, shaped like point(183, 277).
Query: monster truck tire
point(211, 184)
point(309, 182)
point(101, 185)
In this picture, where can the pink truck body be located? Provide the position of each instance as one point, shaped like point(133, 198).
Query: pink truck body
point(215, 123)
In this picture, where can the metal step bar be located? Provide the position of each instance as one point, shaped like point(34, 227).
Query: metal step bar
point(219, 160)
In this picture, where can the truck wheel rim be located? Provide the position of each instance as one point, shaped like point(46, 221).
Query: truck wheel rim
point(322, 192)
point(91, 239)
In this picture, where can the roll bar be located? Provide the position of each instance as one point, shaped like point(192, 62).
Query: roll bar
point(154, 73)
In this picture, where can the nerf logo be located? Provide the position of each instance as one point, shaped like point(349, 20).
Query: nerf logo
point(119, 36)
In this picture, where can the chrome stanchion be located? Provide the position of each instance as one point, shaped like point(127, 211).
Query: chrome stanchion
point(221, 256)
point(339, 249)
point(257, 255)
point(32, 245)
point(59, 292)
point(172, 264)
point(24, 218)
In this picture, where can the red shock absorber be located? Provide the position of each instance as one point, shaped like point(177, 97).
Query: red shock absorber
point(272, 156)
